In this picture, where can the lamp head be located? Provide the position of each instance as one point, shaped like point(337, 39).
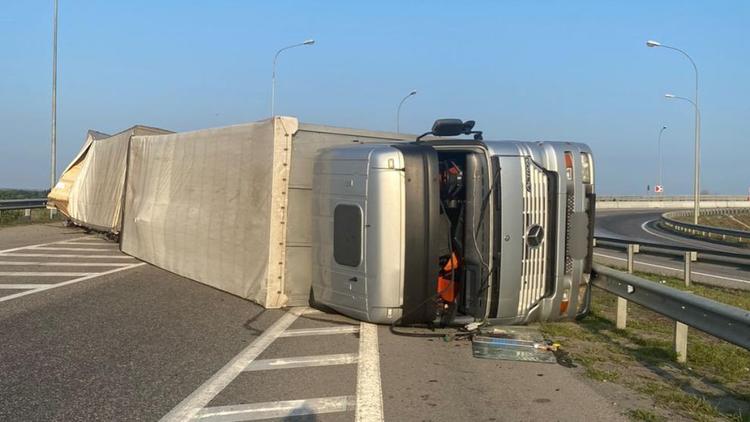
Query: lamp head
point(309, 42)
point(652, 43)
point(669, 96)
point(413, 92)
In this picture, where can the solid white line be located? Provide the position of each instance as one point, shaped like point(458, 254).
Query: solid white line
point(302, 362)
point(189, 407)
point(24, 286)
point(63, 264)
point(344, 329)
point(48, 255)
point(102, 243)
point(65, 283)
point(369, 391)
point(41, 274)
point(42, 244)
point(52, 248)
point(277, 409)
point(674, 269)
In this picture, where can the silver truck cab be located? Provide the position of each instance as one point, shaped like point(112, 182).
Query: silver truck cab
point(453, 230)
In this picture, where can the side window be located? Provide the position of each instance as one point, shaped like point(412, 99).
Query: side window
point(347, 235)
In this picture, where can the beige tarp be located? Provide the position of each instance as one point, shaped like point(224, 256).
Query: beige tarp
point(211, 205)
point(60, 194)
point(90, 189)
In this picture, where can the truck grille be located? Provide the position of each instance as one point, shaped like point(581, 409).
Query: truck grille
point(535, 217)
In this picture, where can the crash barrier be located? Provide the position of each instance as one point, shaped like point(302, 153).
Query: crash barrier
point(22, 204)
point(670, 222)
point(658, 201)
point(687, 310)
point(701, 254)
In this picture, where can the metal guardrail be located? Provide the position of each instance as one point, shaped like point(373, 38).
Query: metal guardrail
point(717, 319)
point(669, 220)
point(702, 254)
point(660, 198)
point(22, 204)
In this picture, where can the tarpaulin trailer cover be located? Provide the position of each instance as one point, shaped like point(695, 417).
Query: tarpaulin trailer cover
point(230, 207)
point(90, 189)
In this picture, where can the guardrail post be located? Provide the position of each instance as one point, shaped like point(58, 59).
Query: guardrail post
point(622, 303)
point(680, 341)
point(691, 256)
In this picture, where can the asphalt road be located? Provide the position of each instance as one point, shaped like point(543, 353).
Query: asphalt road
point(141, 343)
point(637, 225)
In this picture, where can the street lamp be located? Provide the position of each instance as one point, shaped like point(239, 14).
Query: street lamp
point(53, 134)
point(663, 128)
point(273, 78)
point(697, 171)
point(398, 111)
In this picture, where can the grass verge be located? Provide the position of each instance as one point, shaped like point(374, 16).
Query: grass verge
point(713, 385)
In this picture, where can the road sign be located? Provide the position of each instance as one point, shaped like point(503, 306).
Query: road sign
point(658, 188)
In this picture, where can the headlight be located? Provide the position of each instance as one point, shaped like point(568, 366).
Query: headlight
point(587, 169)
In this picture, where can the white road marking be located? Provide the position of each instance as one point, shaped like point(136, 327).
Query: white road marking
point(47, 255)
point(23, 286)
point(369, 391)
point(672, 268)
point(302, 362)
point(343, 329)
point(193, 404)
point(63, 264)
point(53, 248)
point(42, 244)
point(277, 409)
point(42, 274)
point(102, 243)
point(65, 283)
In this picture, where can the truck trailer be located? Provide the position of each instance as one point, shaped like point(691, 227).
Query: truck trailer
point(383, 227)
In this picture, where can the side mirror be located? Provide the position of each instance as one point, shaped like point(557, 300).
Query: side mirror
point(448, 127)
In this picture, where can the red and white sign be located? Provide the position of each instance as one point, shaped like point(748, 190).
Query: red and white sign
point(658, 188)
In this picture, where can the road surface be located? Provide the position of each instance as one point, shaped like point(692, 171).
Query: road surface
point(124, 340)
point(638, 226)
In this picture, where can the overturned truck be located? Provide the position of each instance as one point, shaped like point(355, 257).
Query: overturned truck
point(379, 226)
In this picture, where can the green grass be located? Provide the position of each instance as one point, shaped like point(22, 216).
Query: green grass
point(16, 217)
point(22, 194)
point(645, 415)
point(713, 385)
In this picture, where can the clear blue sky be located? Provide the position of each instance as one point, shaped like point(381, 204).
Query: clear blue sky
point(523, 70)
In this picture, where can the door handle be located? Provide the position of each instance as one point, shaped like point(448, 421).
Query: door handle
point(353, 279)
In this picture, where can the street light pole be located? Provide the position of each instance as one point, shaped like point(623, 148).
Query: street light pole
point(663, 128)
point(398, 111)
point(53, 152)
point(273, 77)
point(697, 171)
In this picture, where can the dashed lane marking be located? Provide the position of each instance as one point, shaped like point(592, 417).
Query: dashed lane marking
point(367, 404)
point(48, 255)
point(189, 408)
point(53, 248)
point(343, 329)
point(66, 283)
point(277, 409)
point(303, 362)
point(24, 286)
point(42, 244)
point(43, 274)
point(63, 264)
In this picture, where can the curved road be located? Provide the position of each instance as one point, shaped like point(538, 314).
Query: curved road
point(638, 225)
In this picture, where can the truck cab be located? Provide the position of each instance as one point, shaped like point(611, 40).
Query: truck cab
point(447, 230)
